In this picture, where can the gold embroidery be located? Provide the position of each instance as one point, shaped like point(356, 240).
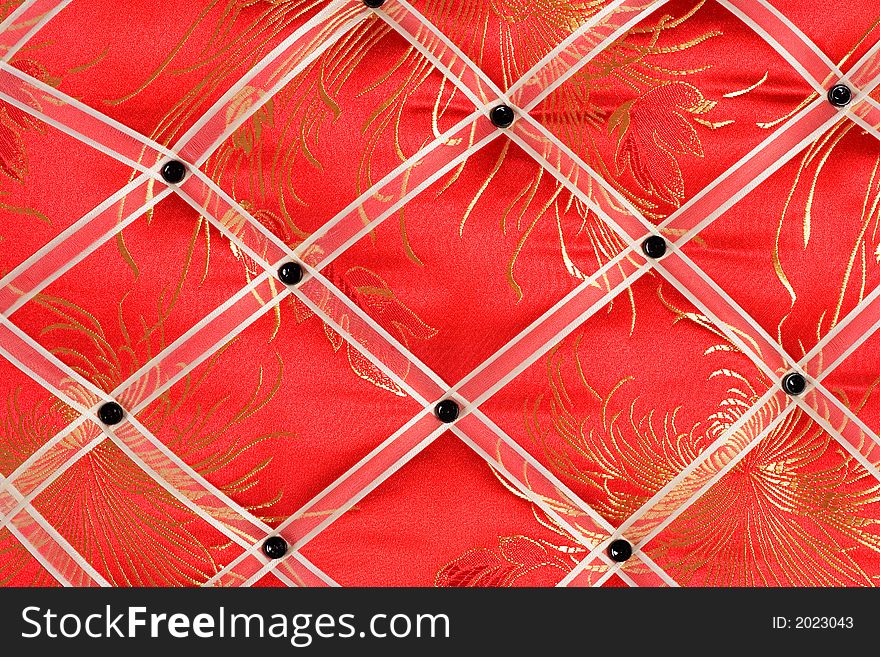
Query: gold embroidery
point(609, 440)
point(791, 513)
point(801, 196)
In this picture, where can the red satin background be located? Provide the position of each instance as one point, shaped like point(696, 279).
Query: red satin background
point(615, 411)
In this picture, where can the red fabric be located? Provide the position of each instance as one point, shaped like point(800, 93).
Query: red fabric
point(603, 394)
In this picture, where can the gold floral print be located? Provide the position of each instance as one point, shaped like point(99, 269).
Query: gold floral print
point(109, 362)
point(14, 125)
point(13, 157)
point(519, 557)
point(287, 130)
point(539, 199)
point(798, 510)
point(610, 440)
point(105, 499)
point(263, 157)
point(16, 564)
point(515, 558)
point(863, 253)
point(108, 355)
point(221, 55)
point(654, 133)
point(26, 426)
point(615, 449)
point(372, 293)
point(522, 559)
point(522, 32)
point(197, 442)
point(283, 134)
point(654, 130)
point(9, 6)
point(14, 122)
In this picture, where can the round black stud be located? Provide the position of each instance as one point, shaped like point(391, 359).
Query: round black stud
point(620, 550)
point(111, 413)
point(290, 273)
point(839, 95)
point(446, 411)
point(173, 172)
point(501, 116)
point(275, 547)
point(654, 247)
point(794, 383)
point(374, 4)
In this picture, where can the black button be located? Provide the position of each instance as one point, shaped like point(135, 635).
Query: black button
point(654, 247)
point(839, 95)
point(501, 116)
point(290, 273)
point(794, 383)
point(111, 413)
point(620, 550)
point(374, 4)
point(275, 547)
point(173, 172)
point(446, 410)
